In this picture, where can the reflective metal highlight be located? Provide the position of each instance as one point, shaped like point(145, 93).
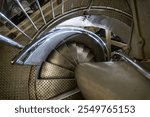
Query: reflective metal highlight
point(143, 71)
point(46, 44)
point(62, 6)
point(52, 8)
point(10, 42)
point(3, 16)
point(37, 1)
point(17, 1)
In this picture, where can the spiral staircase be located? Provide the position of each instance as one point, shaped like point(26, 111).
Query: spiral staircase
point(74, 49)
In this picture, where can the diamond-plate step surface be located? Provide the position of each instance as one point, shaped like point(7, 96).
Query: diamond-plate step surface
point(51, 71)
point(47, 89)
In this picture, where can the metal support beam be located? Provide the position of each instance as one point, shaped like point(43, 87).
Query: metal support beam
point(119, 44)
point(9, 21)
point(52, 8)
point(10, 42)
point(63, 6)
point(38, 4)
point(24, 11)
point(108, 42)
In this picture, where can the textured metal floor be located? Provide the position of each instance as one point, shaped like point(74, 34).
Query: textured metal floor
point(13, 78)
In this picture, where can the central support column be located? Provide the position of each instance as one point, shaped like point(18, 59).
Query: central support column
point(111, 80)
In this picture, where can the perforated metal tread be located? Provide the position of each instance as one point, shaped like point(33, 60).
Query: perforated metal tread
point(51, 71)
point(47, 89)
point(13, 79)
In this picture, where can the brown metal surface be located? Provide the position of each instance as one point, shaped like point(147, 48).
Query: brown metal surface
point(51, 71)
point(46, 89)
point(13, 79)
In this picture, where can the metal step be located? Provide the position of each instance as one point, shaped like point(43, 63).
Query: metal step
point(51, 71)
point(80, 54)
point(85, 55)
point(86, 51)
point(76, 96)
point(47, 89)
point(58, 59)
point(73, 48)
point(90, 57)
point(70, 52)
point(66, 95)
point(64, 50)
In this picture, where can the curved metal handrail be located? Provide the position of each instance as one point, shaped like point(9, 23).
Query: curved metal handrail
point(139, 68)
point(28, 50)
point(44, 45)
point(10, 42)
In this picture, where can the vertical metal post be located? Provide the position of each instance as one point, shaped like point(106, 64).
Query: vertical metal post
point(108, 42)
point(82, 3)
point(62, 6)
point(10, 42)
point(90, 5)
point(4, 17)
point(17, 1)
point(52, 8)
point(41, 11)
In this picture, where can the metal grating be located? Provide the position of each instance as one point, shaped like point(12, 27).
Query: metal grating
point(46, 89)
point(51, 71)
point(13, 79)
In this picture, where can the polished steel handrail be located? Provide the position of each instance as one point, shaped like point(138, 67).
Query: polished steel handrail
point(139, 68)
point(4, 17)
point(10, 42)
point(24, 11)
point(62, 6)
point(38, 4)
point(52, 8)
